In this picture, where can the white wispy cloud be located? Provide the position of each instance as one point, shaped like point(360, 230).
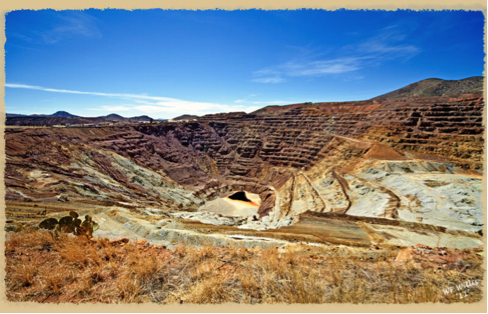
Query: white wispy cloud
point(149, 104)
point(65, 25)
point(268, 75)
point(269, 79)
point(71, 23)
point(387, 45)
point(47, 89)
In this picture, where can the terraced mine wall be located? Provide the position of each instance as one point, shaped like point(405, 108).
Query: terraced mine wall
point(322, 157)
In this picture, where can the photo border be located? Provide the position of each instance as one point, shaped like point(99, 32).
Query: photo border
point(27, 307)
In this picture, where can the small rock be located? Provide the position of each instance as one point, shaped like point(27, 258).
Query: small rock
point(404, 254)
point(63, 198)
point(141, 242)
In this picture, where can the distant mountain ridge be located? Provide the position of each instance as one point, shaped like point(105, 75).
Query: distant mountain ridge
point(437, 87)
point(57, 114)
point(63, 117)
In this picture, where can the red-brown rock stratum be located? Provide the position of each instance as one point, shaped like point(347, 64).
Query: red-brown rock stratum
point(395, 171)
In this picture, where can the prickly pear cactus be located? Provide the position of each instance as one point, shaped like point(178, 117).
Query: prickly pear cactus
point(71, 224)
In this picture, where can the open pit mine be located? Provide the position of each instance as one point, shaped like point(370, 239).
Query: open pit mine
point(395, 172)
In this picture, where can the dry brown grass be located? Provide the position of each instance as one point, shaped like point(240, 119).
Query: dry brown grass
point(43, 269)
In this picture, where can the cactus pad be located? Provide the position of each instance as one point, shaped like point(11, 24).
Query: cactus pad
point(49, 223)
point(66, 221)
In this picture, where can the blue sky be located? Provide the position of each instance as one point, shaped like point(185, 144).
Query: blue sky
point(167, 63)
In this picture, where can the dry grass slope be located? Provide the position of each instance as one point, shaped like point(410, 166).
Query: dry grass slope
point(43, 269)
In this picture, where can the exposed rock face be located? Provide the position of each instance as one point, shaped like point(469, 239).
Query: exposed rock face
point(415, 159)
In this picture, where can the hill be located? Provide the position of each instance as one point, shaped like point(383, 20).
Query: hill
point(118, 118)
point(186, 117)
point(437, 87)
point(141, 118)
point(113, 117)
point(63, 114)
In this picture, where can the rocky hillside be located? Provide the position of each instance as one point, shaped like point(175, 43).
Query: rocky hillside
point(437, 87)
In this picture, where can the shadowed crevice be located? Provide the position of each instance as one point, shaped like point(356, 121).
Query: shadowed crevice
point(240, 196)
